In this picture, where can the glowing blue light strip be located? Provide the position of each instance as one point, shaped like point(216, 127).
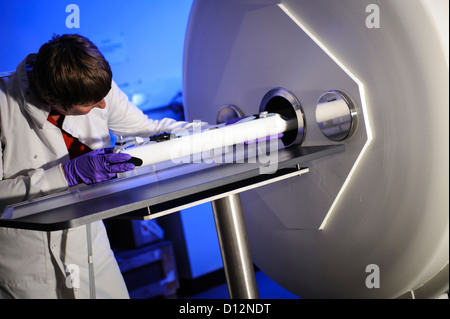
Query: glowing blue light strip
point(363, 105)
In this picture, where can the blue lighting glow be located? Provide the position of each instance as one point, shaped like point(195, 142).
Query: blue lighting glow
point(143, 41)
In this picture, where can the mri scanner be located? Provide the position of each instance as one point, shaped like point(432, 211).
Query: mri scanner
point(357, 92)
point(369, 222)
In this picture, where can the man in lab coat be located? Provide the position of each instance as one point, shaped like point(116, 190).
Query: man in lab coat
point(56, 111)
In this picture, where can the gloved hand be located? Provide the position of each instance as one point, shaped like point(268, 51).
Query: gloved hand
point(96, 166)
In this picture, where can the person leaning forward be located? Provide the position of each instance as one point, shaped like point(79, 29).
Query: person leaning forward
point(56, 113)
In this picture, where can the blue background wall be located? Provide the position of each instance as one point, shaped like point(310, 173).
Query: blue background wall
point(143, 41)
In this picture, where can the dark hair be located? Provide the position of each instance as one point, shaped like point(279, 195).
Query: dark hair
point(70, 70)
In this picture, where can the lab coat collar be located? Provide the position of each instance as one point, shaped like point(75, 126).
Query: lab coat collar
point(36, 109)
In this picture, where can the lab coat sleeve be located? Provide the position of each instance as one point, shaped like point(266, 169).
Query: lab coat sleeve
point(35, 183)
point(125, 118)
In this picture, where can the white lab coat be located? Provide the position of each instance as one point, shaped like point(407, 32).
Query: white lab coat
point(36, 264)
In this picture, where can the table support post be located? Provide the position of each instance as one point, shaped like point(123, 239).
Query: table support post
point(90, 262)
point(235, 250)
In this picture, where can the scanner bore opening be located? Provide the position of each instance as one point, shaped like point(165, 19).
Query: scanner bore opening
point(336, 115)
point(284, 103)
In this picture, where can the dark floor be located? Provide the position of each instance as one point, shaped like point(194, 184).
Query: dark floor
point(267, 289)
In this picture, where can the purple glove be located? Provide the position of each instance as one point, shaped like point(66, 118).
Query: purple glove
point(96, 166)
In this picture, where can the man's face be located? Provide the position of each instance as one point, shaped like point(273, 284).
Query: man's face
point(80, 109)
